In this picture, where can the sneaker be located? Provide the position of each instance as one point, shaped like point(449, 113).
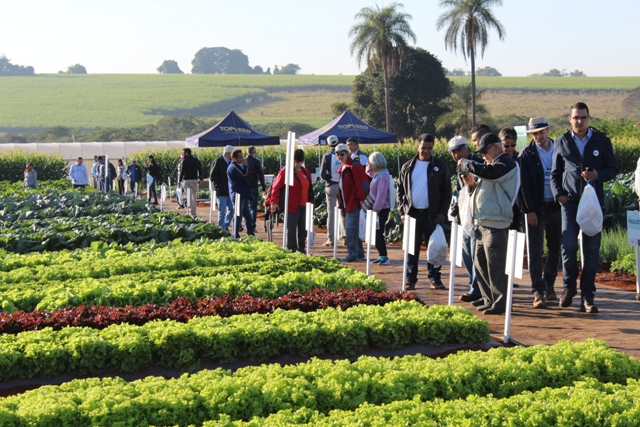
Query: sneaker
point(410, 286)
point(551, 295)
point(328, 243)
point(588, 306)
point(436, 283)
point(385, 261)
point(567, 298)
point(347, 259)
point(376, 261)
point(538, 302)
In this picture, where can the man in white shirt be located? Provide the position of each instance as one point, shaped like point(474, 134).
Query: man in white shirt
point(78, 174)
point(354, 151)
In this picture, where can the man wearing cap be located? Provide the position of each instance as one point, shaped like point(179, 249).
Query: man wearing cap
point(239, 184)
point(135, 175)
point(329, 174)
point(424, 193)
point(255, 175)
point(218, 176)
point(541, 210)
point(459, 149)
point(191, 176)
point(491, 202)
point(582, 156)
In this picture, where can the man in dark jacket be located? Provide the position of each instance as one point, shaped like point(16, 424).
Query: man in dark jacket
point(255, 175)
point(191, 176)
point(541, 210)
point(329, 174)
point(459, 149)
point(134, 171)
point(580, 156)
point(424, 193)
point(239, 184)
point(218, 176)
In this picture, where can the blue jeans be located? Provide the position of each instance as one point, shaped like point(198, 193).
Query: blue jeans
point(354, 244)
point(468, 250)
point(246, 214)
point(590, 253)
point(549, 224)
point(253, 206)
point(105, 182)
point(225, 212)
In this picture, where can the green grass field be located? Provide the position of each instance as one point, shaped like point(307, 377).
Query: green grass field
point(28, 104)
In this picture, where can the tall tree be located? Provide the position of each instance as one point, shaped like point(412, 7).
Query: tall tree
point(468, 23)
point(169, 66)
point(220, 60)
point(380, 37)
point(459, 107)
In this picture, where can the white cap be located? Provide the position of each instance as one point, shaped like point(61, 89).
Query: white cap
point(228, 149)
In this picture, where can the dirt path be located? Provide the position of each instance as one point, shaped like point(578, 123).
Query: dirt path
point(618, 323)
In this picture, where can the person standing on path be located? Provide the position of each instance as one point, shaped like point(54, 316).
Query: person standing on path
point(353, 188)
point(95, 175)
point(424, 193)
point(135, 175)
point(379, 201)
point(239, 184)
point(329, 174)
point(541, 210)
point(459, 149)
point(78, 174)
point(218, 176)
point(582, 156)
point(354, 151)
point(153, 170)
point(491, 202)
point(299, 195)
point(191, 176)
point(256, 177)
point(30, 177)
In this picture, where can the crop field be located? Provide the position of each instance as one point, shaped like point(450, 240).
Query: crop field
point(28, 104)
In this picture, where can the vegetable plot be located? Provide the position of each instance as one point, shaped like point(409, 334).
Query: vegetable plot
point(565, 384)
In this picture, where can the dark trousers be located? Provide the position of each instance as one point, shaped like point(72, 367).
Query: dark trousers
point(549, 224)
point(296, 230)
point(253, 206)
point(244, 213)
point(491, 258)
point(468, 253)
point(424, 228)
point(152, 191)
point(121, 186)
point(590, 252)
point(381, 244)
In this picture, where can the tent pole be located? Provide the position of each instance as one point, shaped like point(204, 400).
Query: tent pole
point(398, 155)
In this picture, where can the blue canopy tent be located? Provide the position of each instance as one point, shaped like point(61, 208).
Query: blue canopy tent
point(231, 130)
point(346, 126)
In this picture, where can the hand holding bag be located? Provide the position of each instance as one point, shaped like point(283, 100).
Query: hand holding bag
point(437, 249)
point(589, 216)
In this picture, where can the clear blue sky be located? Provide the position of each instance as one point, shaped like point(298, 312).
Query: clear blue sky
point(601, 38)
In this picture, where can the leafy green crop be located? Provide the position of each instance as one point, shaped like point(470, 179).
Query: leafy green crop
point(128, 348)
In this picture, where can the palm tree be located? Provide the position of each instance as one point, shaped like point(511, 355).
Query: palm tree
point(470, 22)
point(459, 106)
point(380, 37)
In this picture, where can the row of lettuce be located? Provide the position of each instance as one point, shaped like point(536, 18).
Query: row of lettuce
point(565, 384)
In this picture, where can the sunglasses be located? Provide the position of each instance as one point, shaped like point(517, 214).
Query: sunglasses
point(341, 154)
point(509, 145)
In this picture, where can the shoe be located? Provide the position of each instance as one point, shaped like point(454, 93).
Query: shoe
point(538, 302)
point(638, 297)
point(436, 283)
point(588, 306)
point(328, 243)
point(410, 286)
point(347, 259)
point(376, 261)
point(478, 302)
point(385, 261)
point(362, 258)
point(469, 298)
point(484, 307)
point(567, 298)
point(515, 285)
point(494, 310)
point(551, 295)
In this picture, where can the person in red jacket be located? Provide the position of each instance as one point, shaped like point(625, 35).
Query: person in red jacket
point(353, 190)
point(299, 195)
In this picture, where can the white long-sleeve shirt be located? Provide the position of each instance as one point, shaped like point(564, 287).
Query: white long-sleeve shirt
point(78, 174)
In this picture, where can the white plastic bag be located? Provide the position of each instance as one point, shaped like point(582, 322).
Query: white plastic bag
point(464, 210)
point(589, 215)
point(362, 226)
point(437, 249)
point(637, 184)
point(149, 179)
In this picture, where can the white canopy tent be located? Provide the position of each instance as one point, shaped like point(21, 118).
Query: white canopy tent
point(72, 150)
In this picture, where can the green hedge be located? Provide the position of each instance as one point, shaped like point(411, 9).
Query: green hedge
point(47, 166)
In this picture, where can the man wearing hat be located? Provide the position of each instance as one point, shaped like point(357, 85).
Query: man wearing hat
point(424, 193)
point(491, 202)
point(218, 176)
point(582, 156)
point(459, 149)
point(541, 210)
point(329, 174)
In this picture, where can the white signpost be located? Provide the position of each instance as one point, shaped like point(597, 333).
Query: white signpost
point(633, 235)
point(453, 259)
point(236, 214)
point(515, 251)
point(336, 231)
point(288, 181)
point(212, 202)
point(408, 246)
point(370, 235)
point(163, 195)
point(309, 227)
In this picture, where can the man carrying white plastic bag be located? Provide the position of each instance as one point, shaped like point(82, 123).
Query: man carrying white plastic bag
point(580, 156)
